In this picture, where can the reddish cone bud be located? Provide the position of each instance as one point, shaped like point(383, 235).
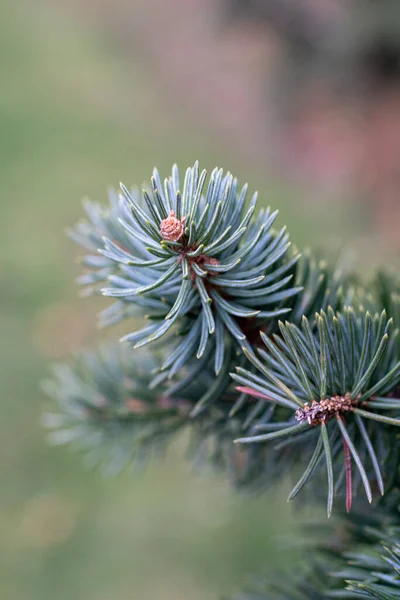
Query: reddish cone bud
point(172, 228)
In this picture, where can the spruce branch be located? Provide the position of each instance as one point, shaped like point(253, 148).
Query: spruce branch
point(332, 380)
point(212, 278)
point(106, 408)
point(321, 286)
point(194, 260)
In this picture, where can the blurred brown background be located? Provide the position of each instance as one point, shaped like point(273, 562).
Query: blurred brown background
point(97, 92)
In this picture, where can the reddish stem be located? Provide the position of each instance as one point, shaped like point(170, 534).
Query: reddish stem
point(349, 477)
point(251, 392)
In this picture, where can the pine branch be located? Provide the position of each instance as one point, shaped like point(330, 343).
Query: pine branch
point(106, 408)
point(334, 378)
point(109, 409)
point(212, 279)
point(322, 287)
point(195, 263)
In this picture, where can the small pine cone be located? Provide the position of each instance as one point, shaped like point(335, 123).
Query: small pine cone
point(172, 228)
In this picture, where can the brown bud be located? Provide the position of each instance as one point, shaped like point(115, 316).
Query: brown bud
point(172, 228)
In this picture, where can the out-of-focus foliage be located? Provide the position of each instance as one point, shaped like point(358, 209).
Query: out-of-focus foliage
point(76, 113)
point(79, 109)
point(359, 558)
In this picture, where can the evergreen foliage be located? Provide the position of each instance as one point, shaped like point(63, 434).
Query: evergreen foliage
point(106, 407)
point(200, 261)
point(328, 376)
point(213, 278)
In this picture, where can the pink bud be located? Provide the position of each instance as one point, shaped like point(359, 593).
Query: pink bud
point(172, 228)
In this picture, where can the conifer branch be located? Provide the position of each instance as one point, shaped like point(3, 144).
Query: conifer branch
point(212, 278)
point(331, 375)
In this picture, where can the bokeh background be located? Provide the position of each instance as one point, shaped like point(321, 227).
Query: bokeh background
point(93, 92)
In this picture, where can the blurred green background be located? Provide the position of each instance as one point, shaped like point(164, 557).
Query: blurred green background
point(80, 111)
